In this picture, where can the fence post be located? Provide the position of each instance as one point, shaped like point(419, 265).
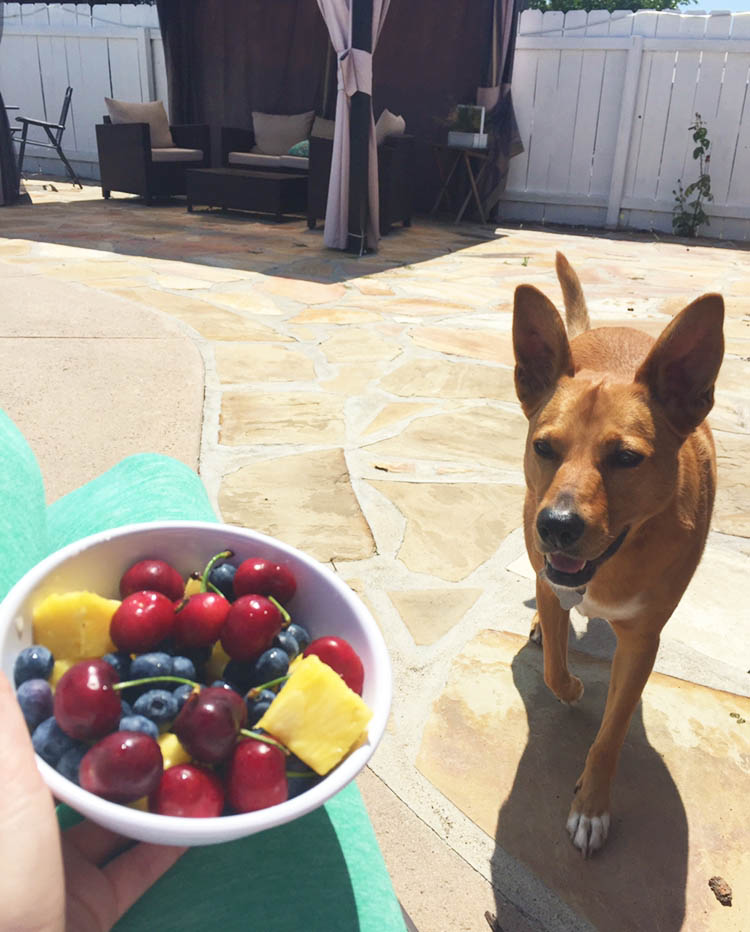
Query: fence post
point(624, 131)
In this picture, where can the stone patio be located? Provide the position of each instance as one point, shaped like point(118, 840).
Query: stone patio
point(363, 410)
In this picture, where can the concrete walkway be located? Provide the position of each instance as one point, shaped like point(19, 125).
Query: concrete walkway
point(363, 410)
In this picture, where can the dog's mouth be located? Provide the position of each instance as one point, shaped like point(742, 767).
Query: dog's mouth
point(564, 570)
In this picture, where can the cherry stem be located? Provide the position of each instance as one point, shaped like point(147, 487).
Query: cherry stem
point(299, 775)
point(265, 739)
point(256, 690)
point(224, 555)
point(156, 679)
point(213, 588)
point(287, 618)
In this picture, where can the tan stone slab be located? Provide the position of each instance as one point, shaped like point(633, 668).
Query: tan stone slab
point(251, 299)
point(351, 379)
point(426, 306)
point(439, 378)
point(732, 506)
point(503, 750)
point(211, 322)
point(181, 283)
point(305, 292)
point(431, 613)
point(371, 286)
point(392, 414)
point(260, 362)
point(306, 500)
point(477, 344)
point(90, 272)
point(485, 435)
point(335, 315)
point(357, 345)
point(452, 528)
point(84, 404)
point(253, 417)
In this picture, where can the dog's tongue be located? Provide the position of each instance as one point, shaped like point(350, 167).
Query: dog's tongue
point(565, 564)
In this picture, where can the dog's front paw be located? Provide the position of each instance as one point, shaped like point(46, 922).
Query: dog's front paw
point(588, 833)
point(535, 633)
point(566, 687)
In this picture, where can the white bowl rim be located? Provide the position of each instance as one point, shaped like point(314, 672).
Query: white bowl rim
point(147, 825)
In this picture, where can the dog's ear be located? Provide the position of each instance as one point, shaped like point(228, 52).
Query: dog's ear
point(540, 345)
point(681, 368)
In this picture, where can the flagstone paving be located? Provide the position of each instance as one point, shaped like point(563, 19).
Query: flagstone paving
point(363, 409)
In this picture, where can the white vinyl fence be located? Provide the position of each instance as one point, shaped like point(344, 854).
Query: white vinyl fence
point(104, 50)
point(604, 102)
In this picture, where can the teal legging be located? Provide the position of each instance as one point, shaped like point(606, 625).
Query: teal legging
point(321, 873)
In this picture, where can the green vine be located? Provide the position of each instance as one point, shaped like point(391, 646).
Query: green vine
point(689, 215)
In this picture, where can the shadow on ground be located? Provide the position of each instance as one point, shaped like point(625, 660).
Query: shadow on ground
point(637, 882)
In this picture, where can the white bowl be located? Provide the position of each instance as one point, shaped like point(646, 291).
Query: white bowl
point(323, 604)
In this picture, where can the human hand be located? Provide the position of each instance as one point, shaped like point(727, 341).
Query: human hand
point(85, 879)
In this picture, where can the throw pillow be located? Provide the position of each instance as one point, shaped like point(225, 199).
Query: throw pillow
point(276, 133)
point(153, 113)
point(301, 148)
point(389, 125)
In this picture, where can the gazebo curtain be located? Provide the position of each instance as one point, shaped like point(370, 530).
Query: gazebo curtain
point(354, 75)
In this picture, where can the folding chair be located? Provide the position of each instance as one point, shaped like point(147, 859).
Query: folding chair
point(54, 132)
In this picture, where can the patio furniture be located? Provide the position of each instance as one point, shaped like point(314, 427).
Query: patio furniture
point(272, 192)
point(140, 153)
point(274, 142)
point(54, 133)
point(396, 175)
point(457, 157)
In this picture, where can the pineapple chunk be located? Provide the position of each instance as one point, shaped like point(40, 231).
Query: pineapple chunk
point(75, 625)
point(192, 586)
point(172, 751)
point(216, 662)
point(316, 715)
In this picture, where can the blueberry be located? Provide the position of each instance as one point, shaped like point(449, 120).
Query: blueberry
point(221, 684)
point(35, 699)
point(287, 642)
point(222, 577)
point(121, 662)
point(157, 704)
point(50, 741)
point(167, 646)
point(239, 675)
point(300, 635)
point(257, 707)
point(127, 708)
point(33, 663)
point(139, 723)
point(70, 762)
point(183, 666)
point(181, 694)
point(300, 777)
point(156, 663)
point(271, 664)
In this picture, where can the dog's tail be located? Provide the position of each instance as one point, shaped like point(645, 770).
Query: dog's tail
point(576, 312)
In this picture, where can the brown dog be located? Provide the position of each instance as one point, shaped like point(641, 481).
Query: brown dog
point(620, 475)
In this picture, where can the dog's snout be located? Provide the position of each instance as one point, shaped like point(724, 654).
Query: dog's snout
point(559, 528)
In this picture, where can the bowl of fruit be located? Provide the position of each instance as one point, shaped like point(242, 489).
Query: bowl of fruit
point(191, 683)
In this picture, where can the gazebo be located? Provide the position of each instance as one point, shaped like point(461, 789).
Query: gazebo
point(342, 58)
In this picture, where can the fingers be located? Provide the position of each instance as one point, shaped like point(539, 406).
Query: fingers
point(95, 843)
point(133, 872)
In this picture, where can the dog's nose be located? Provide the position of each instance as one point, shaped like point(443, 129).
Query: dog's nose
point(559, 528)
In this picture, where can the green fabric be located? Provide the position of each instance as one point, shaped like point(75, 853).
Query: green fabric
point(301, 148)
point(321, 873)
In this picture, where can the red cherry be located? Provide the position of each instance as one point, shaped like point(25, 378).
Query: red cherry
point(200, 620)
point(251, 625)
point(341, 657)
point(264, 577)
point(209, 722)
point(256, 776)
point(85, 705)
point(122, 767)
point(152, 576)
point(188, 791)
point(141, 621)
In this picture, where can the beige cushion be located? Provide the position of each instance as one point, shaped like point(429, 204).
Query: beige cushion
point(389, 125)
point(153, 113)
point(275, 134)
point(323, 129)
point(175, 154)
point(299, 162)
point(254, 160)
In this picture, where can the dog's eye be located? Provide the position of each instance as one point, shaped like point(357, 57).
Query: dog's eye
point(627, 458)
point(543, 448)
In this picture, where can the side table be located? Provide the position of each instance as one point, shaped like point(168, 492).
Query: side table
point(457, 157)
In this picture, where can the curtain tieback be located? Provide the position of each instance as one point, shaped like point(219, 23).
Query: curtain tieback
point(355, 71)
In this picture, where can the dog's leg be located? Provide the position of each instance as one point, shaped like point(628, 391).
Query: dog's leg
point(588, 822)
point(554, 623)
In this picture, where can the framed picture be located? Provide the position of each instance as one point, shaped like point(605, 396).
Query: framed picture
point(469, 118)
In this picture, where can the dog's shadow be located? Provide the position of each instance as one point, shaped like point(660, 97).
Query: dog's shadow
point(637, 882)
